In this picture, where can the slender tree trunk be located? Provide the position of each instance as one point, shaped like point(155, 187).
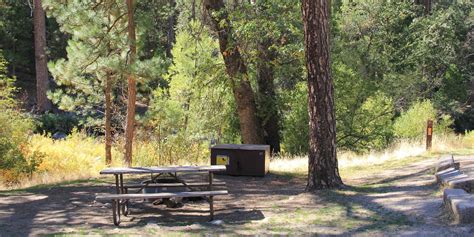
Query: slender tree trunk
point(132, 86)
point(250, 127)
point(427, 7)
point(426, 4)
point(267, 99)
point(323, 169)
point(193, 10)
point(170, 34)
point(41, 61)
point(108, 119)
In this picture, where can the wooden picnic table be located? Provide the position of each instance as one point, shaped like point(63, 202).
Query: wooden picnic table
point(120, 200)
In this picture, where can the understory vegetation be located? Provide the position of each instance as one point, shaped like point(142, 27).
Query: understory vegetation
point(80, 157)
point(394, 67)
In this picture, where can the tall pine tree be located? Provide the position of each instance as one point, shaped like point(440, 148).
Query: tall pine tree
point(323, 170)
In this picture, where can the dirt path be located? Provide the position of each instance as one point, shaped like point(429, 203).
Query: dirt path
point(403, 201)
point(412, 191)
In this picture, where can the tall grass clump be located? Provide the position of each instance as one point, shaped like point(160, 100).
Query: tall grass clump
point(177, 149)
point(80, 156)
point(77, 156)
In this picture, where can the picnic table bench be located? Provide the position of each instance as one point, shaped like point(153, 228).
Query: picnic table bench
point(121, 199)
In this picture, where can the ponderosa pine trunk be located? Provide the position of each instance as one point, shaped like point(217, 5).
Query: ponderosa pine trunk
point(132, 86)
point(108, 119)
point(267, 98)
point(250, 127)
point(323, 168)
point(41, 61)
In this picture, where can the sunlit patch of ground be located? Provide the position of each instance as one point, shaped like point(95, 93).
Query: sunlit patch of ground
point(387, 192)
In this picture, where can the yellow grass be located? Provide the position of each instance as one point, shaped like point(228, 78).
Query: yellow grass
point(80, 156)
point(449, 143)
point(76, 157)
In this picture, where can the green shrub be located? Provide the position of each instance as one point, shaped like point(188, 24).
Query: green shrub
point(368, 127)
point(361, 126)
point(15, 160)
point(52, 123)
point(412, 123)
point(295, 121)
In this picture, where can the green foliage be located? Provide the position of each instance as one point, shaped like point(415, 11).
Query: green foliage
point(386, 56)
point(197, 102)
point(412, 123)
point(195, 109)
point(16, 39)
point(52, 123)
point(369, 127)
point(97, 52)
point(295, 121)
point(360, 127)
point(363, 115)
point(403, 53)
point(16, 34)
point(14, 129)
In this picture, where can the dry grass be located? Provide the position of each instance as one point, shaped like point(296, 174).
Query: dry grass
point(77, 157)
point(82, 157)
point(400, 150)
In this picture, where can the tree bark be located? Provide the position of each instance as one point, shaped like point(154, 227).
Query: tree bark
point(108, 120)
point(132, 86)
point(41, 61)
point(193, 10)
point(170, 34)
point(322, 169)
point(266, 95)
point(426, 4)
point(427, 7)
point(250, 127)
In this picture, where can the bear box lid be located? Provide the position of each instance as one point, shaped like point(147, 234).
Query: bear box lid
point(252, 147)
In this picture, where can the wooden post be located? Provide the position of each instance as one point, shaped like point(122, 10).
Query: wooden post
point(429, 134)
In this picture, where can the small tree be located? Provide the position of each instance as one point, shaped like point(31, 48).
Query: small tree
point(94, 60)
point(132, 84)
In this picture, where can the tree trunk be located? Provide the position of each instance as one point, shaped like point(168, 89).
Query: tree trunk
point(426, 4)
point(41, 61)
point(193, 10)
point(427, 7)
point(108, 119)
point(170, 34)
point(250, 127)
point(266, 95)
point(322, 170)
point(132, 86)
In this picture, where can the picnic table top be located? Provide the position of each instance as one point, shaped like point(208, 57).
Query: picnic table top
point(164, 169)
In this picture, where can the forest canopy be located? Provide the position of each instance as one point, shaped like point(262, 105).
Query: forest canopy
point(394, 66)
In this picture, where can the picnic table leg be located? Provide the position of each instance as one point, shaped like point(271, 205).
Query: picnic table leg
point(211, 198)
point(124, 203)
point(116, 203)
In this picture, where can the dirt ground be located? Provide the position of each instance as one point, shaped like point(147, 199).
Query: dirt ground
point(400, 201)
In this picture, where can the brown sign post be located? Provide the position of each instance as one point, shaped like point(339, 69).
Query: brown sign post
point(429, 134)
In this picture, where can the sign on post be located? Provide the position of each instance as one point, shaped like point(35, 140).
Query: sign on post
point(429, 134)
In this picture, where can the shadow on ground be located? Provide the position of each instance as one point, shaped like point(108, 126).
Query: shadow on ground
point(401, 199)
